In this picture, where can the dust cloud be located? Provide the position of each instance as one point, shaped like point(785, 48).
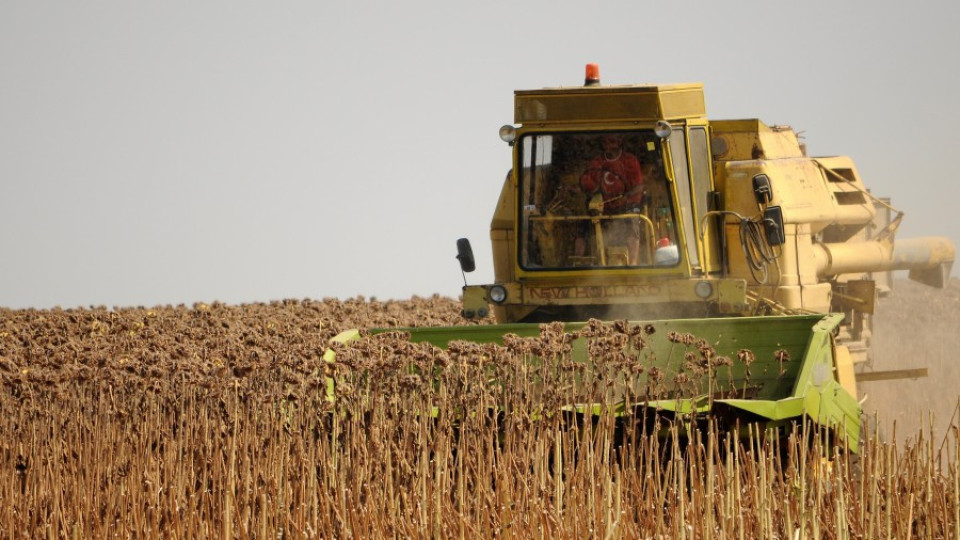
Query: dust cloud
point(916, 326)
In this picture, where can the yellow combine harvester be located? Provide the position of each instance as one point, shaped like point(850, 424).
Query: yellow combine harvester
point(627, 203)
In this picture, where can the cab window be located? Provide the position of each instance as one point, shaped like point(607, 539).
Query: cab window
point(597, 199)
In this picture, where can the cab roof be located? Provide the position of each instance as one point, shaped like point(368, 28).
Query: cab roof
point(600, 103)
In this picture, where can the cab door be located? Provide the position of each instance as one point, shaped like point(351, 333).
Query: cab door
point(693, 178)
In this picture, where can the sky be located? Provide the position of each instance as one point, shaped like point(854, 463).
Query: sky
point(156, 153)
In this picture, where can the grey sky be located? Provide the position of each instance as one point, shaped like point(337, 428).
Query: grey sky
point(173, 152)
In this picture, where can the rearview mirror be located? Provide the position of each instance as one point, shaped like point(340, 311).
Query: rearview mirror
point(773, 226)
point(762, 189)
point(465, 255)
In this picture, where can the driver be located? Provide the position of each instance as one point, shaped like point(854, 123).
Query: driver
point(615, 174)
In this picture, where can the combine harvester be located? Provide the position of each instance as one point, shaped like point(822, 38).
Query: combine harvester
point(627, 203)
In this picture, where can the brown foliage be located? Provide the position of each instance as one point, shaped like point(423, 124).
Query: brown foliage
point(214, 420)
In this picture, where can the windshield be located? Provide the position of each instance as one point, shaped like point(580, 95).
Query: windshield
point(597, 199)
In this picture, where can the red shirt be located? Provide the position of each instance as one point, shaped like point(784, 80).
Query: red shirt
point(619, 180)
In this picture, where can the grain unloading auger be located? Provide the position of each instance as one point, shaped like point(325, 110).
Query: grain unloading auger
point(754, 268)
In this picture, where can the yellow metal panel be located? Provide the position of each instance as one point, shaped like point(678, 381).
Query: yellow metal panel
point(501, 231)
point(806, 260)
point(816, 298)
point(504, 248)
point(790, 297)
point(609, 104)
point(845, 374)
point(800, 188)
point(624, 291)
point(732, 296)
point(474, 302)
point(686, 103)
point(739, 140)
point(503, 214)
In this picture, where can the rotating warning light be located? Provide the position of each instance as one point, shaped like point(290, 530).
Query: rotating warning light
point(593, 75)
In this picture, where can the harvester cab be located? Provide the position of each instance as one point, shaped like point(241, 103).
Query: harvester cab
point(609, 209)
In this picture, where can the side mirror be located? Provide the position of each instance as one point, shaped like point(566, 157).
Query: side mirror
point(465, 255)
point(773, 226)
point(762, 189)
